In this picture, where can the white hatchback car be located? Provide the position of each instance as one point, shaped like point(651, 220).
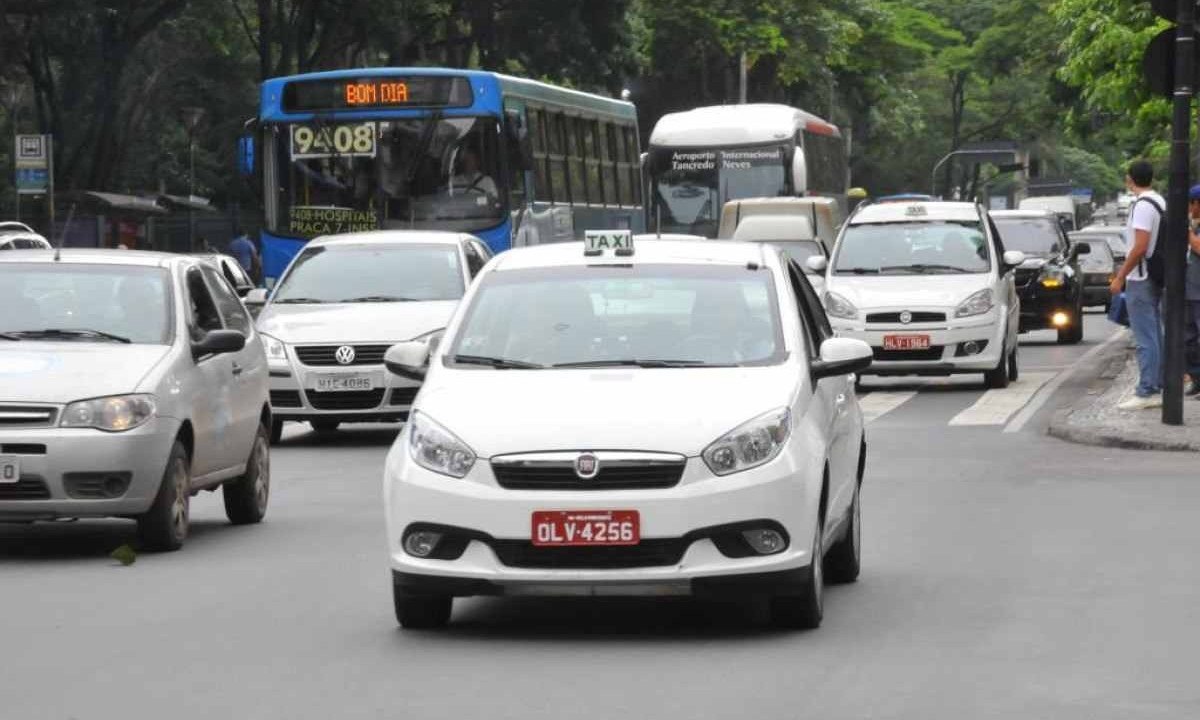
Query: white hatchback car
point(929, 286)
point(679, 420)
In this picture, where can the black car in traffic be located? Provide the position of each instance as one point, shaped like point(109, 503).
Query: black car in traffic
point(1049, 283)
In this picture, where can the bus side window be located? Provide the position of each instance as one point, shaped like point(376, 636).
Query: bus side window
point(591, 158)
point(626, 187)
point(634, 172)
point(541, 174)
point(575, 161)
point(515, 156)
point(561, 192)
point(608, 163)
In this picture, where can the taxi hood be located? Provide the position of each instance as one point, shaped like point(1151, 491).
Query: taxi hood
point(904, 291)
point(354, 322)
point(665, 410)
point(62, 372)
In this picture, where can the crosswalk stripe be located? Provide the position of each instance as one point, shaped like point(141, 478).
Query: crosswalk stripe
point(995, 407)
point(879, 403)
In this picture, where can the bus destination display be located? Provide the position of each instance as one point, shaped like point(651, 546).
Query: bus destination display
point(375, 93)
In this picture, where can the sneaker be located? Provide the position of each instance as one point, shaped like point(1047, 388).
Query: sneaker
point(1141, 403)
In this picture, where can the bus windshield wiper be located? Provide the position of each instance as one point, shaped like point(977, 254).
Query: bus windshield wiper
point(638, 363)
point(378, 298)
point(75, 333)
point(299, 301)
point(495, 362)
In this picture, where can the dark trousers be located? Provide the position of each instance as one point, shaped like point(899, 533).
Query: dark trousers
point(1192, 339)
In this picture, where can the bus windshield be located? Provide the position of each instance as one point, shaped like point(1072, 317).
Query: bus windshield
point(691, 185)
point(427, 172)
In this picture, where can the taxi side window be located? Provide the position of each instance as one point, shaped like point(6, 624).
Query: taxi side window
point(475, 261)
point(812, 315)
point(227, 302)
point(203, 316)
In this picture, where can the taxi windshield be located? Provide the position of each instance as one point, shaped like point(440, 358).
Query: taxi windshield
point(372, 273)
point(640, 316)
point(85, 303)
point(911, 248)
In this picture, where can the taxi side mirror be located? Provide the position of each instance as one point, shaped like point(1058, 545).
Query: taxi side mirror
point(1013, 258)
point(256, 296)
point(817, 263)
point(218, 342)
point(408, 359)
point(842, 356)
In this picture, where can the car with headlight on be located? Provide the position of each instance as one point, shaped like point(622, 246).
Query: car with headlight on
point(129, 382)
point(341, 303)
point(1049, 281)
point(929, 286)
point(670, 418)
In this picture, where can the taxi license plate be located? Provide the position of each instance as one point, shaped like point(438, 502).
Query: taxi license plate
point(10, 469)
point(905, 342)
point(574, 528)
point(344, 383)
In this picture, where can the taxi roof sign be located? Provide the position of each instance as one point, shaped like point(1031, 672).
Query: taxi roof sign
point(596, 242)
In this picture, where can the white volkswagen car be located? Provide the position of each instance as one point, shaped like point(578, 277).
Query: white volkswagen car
point(675, 420)
point(343, 301)
point(929, 287)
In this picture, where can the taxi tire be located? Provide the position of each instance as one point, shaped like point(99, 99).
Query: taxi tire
point(843, 562)
point(421, 612)
point(804, 611)
point(1014, 369)
point(276, 431)
point(164, 527)
point(324, 427)
point(246, 497)
point(997, 377)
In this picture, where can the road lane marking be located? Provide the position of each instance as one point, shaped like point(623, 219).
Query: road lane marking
point(879, 403)
point(995, 407)
point(1043, 396)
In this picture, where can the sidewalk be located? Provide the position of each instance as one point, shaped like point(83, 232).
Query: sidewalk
point(1093, 418)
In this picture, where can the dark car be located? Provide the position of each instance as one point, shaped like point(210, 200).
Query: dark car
point(1050, 282)
point(1099, 266)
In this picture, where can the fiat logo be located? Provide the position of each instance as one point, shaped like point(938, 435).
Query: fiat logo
point(905, 317)
point(344, 355)
point(587, 466)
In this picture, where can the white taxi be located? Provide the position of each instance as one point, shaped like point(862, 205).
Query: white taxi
point(929, 287)
point(599, 419)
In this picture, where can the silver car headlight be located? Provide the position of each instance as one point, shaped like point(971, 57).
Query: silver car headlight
point(435, 448)
point(117, 413)
point(976, 303)
point(840, 307)
point(276, 350)
point(750, 444)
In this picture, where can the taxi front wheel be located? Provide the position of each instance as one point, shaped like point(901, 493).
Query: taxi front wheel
point(421, 612)
point(804, 611)
point(164, 526)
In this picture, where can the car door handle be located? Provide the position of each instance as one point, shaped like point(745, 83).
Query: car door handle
point(237, 369)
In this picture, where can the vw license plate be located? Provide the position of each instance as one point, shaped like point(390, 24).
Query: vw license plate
point(905, 342)
point(562, 528)
point(10, 469)
point(344, 383)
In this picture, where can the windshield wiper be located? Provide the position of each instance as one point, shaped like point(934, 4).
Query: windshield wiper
point(75, 333)
point(9, 336)
point(299, 301)
point(859, 270)
point(378, 298)
point(925, 267)
point(494, 362)
point(639, 363)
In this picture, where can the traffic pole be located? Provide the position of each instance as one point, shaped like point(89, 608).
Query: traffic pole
point(1174, 240)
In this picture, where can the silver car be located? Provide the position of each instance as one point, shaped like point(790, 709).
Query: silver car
point(129, 381)
point(343, 301)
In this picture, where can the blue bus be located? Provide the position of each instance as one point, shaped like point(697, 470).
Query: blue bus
point(512, 161)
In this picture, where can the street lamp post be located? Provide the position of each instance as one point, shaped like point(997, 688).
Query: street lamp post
point(191, 120)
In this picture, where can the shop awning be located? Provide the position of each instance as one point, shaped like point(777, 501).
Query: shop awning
point(185, 202)
point(133, 204)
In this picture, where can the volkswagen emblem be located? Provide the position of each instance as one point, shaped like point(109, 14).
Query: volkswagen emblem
point(344, 355)
point(587, 466)
point(905, 317)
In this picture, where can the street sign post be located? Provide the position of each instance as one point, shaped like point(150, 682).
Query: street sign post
point(34, 169)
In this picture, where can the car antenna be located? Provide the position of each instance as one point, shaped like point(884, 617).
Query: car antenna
point(62, 236)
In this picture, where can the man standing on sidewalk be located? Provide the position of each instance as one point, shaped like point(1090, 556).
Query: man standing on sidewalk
point(1192, 333)
point(1143, 296)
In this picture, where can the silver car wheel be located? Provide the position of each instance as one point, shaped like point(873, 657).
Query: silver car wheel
point(181, 506)
point(262, 474)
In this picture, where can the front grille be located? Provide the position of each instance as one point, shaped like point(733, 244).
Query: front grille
point(356, 400)
point(648, 553)
point(611, 477)
point(96, 486)
point(26, 416)
point(285, 399)
point(22, 449)
point(323, 355)
point(917, 317)
point(933, 353)
point(403, 396)
point(29, 487)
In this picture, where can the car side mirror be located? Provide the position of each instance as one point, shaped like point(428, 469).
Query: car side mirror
point(842, 356)
point(817, 263)
point(218, 342)
point(256, 296)
point(1013, 258)
point(408, 359)
point(243, 290)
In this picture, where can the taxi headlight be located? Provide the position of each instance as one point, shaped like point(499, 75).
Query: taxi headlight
point(276, 352)
point(1052, 278)
point(750, 444)
point(840, 307)
point(117, 413)
point(976, 304)
point(435, 448)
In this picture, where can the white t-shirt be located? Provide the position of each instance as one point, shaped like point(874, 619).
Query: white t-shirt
point(1143, 216)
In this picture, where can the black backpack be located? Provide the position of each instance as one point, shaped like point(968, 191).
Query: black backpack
point(1153, 265)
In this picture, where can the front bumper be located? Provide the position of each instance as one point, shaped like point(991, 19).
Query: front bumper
point(682, 532)
point(949, 343)
point(70, 472)
point(294, 394)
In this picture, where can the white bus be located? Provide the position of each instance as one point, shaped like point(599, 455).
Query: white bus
point(702, 158)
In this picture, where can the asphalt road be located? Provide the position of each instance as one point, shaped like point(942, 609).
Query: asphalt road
point(1007, 575)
